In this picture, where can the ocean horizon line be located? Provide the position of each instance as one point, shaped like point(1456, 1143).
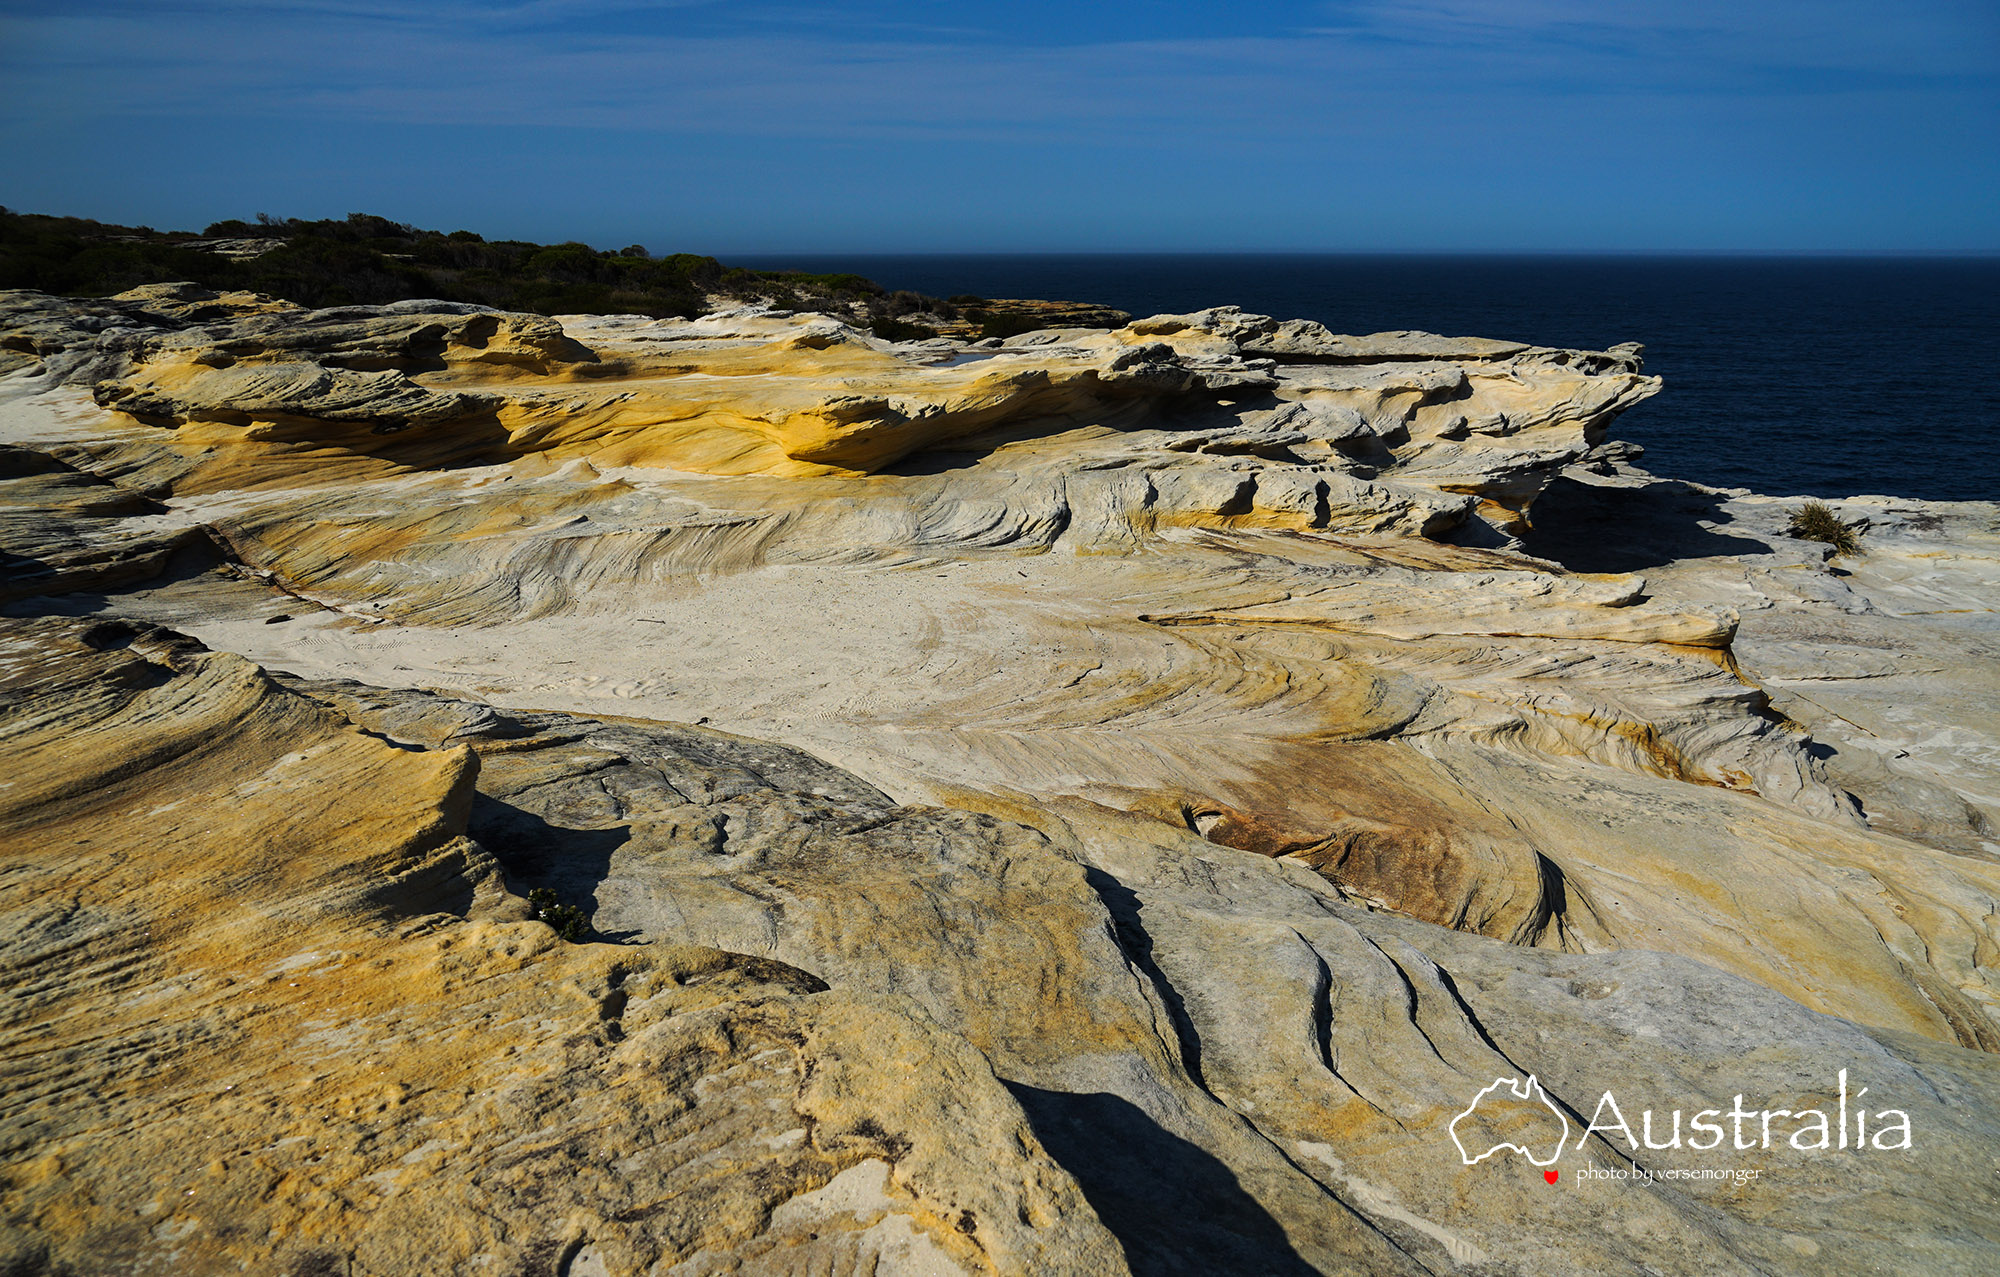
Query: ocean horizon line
point(1913, 254)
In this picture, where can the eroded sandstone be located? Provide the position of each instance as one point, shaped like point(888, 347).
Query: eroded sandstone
point(1104, 799)
point(272, 1009)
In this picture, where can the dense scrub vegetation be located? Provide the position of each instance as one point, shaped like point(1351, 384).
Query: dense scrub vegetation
point(368, 259)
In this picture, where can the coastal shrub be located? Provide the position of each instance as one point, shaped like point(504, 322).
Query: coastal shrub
point(1004, 324)
point(366, 259)
point(571, 263)
point(829, 285)
point(889, 329)
point(1816, 521)
point(236, 228)
point(567, 920)
point(326, 272)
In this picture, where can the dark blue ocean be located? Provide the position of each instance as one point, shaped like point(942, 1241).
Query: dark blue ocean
point(1827, 375)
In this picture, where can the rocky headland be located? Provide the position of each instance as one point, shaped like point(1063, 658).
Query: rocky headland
point(1091, 801)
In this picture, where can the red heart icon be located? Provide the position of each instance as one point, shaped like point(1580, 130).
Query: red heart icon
point(1550, 1176)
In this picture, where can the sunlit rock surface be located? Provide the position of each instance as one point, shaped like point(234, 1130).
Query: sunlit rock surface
point(1101, 800)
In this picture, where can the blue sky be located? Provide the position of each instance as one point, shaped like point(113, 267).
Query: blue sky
point(1396, 125)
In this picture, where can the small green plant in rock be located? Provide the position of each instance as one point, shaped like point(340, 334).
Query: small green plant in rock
point(1816, 521)
point(568, 920)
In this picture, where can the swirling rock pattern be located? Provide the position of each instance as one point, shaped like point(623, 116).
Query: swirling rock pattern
point(1212, 751)
point(274, 1010)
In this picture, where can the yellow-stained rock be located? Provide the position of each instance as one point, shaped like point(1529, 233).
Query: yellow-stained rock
point(272, 1010)
point(1291, 803)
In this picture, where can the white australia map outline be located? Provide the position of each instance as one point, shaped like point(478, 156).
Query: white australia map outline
point(1520, 1090)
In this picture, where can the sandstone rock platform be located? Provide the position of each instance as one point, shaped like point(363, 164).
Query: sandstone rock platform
point(1100, 801)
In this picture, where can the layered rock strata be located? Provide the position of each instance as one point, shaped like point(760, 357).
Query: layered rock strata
point(1101, 801)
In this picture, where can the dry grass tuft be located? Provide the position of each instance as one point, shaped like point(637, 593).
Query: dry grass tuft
point(1816, 521)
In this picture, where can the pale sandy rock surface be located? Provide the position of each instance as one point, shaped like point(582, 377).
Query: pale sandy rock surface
point(1102, 800)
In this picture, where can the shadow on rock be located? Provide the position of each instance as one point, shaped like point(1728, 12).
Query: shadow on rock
point(1176, 1209)
point(1124, 906)
point(1588, 528)
point(21, 576)
point(569, 862)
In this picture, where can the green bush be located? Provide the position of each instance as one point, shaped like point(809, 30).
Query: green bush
point(366, 259)
point(363, 259)
point(1005, 325)
point(896, 330)
point(568, 921)
point(826, 285)
point(1816, 521)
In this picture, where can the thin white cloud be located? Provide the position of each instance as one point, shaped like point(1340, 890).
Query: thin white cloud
point(1389, 65)
point(1925, 37)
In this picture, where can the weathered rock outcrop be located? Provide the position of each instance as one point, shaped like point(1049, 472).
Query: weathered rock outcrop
point(318, 1034)
point(64, 531)
point(1213, 752)
point(272, 1010)
point(1305, 429)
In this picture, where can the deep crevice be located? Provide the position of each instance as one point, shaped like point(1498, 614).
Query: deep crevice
point(1136, 942)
